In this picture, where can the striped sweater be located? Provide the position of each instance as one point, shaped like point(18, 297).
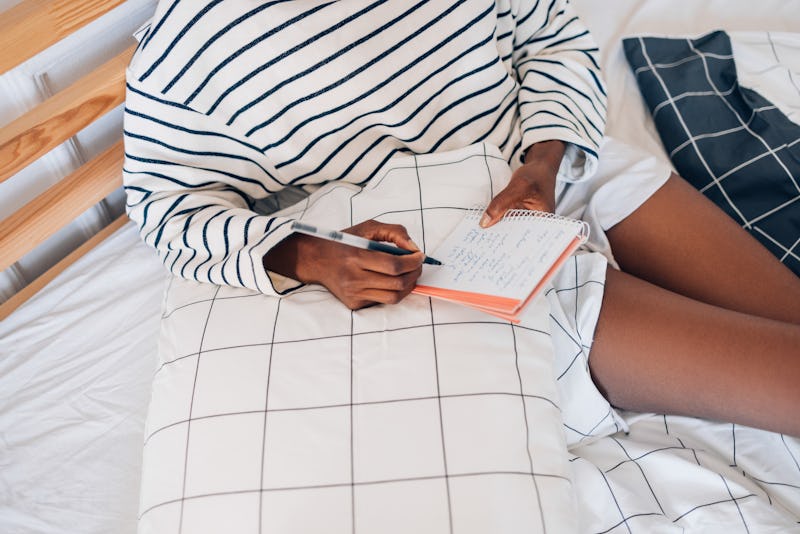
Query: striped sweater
point(230, 101)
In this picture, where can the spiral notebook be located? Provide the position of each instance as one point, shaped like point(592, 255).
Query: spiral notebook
point(501, 268)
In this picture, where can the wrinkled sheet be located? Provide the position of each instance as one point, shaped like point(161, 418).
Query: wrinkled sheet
point(76, 364)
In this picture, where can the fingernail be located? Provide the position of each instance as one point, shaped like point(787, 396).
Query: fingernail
point(485, 220)
point(414, 244)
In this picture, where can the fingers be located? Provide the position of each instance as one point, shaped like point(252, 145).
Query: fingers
point(389, 264)
point(381, 262)
point(377, 288)
point(500, 204)
point(518, 194)
point(530, 188)
point(361, 278)
point(378, 231)
point(368, 269)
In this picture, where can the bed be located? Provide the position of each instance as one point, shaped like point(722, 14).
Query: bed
point(74, 405)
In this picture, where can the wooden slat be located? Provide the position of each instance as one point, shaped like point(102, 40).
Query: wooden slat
point(33, 25)
point(63, 115)
point(28, 291)
point(59, 205)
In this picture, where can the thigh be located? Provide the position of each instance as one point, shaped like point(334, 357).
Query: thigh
point(681, 241)
point(657, 351)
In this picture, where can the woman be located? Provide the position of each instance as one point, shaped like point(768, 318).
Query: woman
point(233, 101)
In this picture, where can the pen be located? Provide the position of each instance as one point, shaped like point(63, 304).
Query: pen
point(355, 241)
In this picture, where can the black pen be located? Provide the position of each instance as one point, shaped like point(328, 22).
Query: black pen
point(355, 241)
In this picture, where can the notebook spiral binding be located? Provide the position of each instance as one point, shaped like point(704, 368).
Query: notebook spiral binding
point(582, 227)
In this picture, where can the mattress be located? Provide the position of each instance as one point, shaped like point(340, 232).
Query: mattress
point(77, 361)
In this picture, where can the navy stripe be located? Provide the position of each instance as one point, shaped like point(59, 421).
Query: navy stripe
point(561, 64)
point(556, 91)
point(388, 80)
point(505, 35)
point(261, 185)
point(224, 155)
point(145, 211)
point(153, 31)
point(148, 96)
point(205, 244)
point(568, 86)
point(311, 69)
point(566, 40)
point(405, 121)
point(184, 129)
point(583, 147)
point(164, 217)
point(599, 84)
point(284, 55)
point(475, 118)
point(172, 179)
point(558, 119)
point(548, 17)
point(192, 211)
point(176, 40)
point(227, 254)
point(528, 15)
point(567, 109)
point(249, 46)
point(214, 38)
point(540, 38)
point(245, 233)
point(422, 131)
point(177, 257)
point(268, 232)
point(186, 243)
point(574, 110)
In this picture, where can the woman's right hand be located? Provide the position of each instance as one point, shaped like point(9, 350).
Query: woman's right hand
point(357, 277)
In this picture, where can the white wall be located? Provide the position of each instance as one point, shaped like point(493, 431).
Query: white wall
point(31, 83)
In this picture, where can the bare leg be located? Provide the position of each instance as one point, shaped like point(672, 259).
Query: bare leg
point(655, 350)
point(719, 341)
point(681, 241)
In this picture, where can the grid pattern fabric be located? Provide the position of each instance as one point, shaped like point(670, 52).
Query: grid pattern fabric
point(299, 415)
point(681, 474)
point(736, 147)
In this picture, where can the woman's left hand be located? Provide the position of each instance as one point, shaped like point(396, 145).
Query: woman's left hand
point(532, 186)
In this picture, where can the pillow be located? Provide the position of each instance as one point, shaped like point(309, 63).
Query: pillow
point(297, 415)
point(731, 143)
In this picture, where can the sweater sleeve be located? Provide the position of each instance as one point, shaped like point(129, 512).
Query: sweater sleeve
point(561, 93)
point(190, 185)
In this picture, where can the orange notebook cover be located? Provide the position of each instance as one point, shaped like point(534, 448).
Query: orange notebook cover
point(499, 269)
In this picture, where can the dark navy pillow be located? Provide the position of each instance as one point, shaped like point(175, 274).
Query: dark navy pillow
point(728, 141)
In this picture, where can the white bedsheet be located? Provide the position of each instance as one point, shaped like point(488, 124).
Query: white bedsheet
point(77, 361)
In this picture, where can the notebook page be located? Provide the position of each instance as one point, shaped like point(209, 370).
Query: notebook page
point(506, 260)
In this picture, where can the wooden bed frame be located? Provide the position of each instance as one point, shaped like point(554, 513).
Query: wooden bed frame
point(25, 30)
